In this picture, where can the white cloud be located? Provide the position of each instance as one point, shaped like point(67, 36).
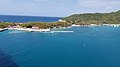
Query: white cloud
point(100, 5)
point(97, 3)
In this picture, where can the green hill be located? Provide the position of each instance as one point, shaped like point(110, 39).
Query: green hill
point(94, 18)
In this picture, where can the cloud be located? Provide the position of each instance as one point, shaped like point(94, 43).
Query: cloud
point(99, 5)
point(63, 7)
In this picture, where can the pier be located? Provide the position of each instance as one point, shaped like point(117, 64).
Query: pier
point(62, 31)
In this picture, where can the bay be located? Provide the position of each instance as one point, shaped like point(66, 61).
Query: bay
point(85, 47)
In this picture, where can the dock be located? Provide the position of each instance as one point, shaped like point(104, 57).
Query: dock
point(61, 31)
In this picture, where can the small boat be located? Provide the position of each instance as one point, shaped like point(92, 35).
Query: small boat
point(84, 45)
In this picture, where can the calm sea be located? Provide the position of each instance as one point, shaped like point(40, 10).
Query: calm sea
point(23, 19)
point(86, 47)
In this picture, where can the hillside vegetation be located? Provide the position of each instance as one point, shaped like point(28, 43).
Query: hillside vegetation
point(41, 25)
point(94, 18)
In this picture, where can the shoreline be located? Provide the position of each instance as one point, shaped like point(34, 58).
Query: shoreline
point(112, 25)
point(50, 30)
point(30, 29)
point(3, 29)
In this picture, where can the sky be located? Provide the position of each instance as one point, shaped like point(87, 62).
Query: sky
point(57, 8)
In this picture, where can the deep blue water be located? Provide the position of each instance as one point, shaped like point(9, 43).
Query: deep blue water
point(86, 47)
point(23, 19)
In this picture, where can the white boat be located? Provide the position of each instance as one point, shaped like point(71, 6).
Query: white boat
point(84, 45)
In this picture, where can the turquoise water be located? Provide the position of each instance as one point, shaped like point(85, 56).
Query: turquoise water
point(86, 47)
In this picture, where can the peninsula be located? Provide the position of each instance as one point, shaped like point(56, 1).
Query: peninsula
point(33, 26)
point(88, 19)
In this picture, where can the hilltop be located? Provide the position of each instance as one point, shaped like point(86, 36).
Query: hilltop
point(94, 18)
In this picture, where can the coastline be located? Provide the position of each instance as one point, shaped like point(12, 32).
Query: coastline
point(50, 30)
point(112, 25)
point(30, 29)
point(3, 29)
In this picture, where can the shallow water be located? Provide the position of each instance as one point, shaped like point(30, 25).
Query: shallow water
point(86, 47)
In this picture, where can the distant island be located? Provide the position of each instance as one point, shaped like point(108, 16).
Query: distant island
point(88, 19)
